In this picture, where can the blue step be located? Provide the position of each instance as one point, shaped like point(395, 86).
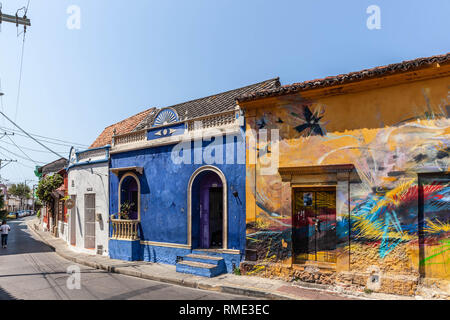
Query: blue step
point(199, 269)
point(203, 259)
point(201, 265)
point(207, 252)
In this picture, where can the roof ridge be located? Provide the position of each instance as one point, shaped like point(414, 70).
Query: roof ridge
point(386, 66)
point(129, 117)
point(212, 95)
point(359, 75)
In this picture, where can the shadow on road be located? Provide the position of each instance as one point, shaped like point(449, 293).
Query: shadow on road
point(4, 295)
point(21, 242)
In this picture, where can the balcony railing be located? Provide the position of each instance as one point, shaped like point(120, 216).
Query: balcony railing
point(132, 137)
point(89, 154)
point(125, 229)
point(220, 121)
point(213, 121)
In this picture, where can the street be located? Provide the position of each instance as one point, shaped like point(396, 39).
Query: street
point(30, 270)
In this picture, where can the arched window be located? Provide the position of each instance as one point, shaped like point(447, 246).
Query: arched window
point(130, 197)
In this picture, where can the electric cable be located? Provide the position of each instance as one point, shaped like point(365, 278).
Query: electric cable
point(43, 145)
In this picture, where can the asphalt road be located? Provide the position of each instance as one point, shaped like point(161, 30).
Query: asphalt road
point(30, 270)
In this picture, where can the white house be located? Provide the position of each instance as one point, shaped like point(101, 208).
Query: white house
point(88, 222)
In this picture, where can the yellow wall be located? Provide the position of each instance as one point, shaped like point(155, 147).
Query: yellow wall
point(389, 134)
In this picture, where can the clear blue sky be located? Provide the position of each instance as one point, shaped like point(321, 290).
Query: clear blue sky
point(132, 55)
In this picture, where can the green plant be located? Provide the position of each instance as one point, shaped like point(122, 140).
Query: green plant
point(368, 291)
point(125, 209)
point(38, 214)
point(3, 214)
point(47, 186)
point(237, 271)
point(2, 201)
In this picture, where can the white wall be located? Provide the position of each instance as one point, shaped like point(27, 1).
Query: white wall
point(90, 179)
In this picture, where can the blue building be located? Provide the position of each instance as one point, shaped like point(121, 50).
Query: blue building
point(177, 186)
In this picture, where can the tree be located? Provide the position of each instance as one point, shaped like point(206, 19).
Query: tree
point(2, 201)
point(47, 186)
point(3, 211)
point(21, 190)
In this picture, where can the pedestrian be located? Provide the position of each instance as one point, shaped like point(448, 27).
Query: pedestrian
point(4, 230)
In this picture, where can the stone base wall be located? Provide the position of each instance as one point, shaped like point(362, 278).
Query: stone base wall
point(406, 285)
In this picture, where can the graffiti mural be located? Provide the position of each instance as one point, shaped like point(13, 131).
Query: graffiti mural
point(388, 158)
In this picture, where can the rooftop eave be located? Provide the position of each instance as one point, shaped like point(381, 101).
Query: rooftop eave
point(327, 88)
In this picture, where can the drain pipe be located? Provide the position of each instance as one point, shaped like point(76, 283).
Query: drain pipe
point(349, 223)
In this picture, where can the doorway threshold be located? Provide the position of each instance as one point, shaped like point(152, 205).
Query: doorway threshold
point(216, 250)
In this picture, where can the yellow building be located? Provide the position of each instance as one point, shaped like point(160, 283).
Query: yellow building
point(348, 179)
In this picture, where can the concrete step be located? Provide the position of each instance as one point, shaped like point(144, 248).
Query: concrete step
point(199, 268)
point(208, 252)
point(203, 259)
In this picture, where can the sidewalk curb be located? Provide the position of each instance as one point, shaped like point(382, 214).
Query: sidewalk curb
point(244, 291)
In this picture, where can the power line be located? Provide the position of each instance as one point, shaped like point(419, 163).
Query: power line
point(67, 143)
point(1, 99)
point(21, 59)
point(24, 165)
point(30, 149)
point(19, 156)
point(21, 150)
point(20, 77)
point(43, 140)
point(30, 135)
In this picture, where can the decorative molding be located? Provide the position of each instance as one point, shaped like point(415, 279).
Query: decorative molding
point(310, 170)
point(165, 132)
point(187, 136)
point(165, 244)
point(164, 117)
point(116, 171)
point(319, 175)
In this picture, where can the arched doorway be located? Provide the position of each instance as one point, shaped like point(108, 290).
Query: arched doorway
point(208, 209)
point(129, 195)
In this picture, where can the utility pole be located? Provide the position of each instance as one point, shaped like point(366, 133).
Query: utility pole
point(27, 186)
point(24, 21)
point(34, 197)
point(6, 134)
point(7, 162)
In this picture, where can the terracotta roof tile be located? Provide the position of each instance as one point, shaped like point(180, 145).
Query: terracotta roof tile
point(346, 78)
point(121, 127)
point(221, 102)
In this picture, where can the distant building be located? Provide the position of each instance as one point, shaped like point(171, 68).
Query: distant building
point(54, 216)
point(88, 187)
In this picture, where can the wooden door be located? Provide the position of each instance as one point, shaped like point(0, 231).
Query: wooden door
point(314, 225)
point(89, 221)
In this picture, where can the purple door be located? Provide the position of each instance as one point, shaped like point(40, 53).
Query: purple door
point(211, 180)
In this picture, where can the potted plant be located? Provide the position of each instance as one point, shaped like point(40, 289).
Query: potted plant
point(125, 209)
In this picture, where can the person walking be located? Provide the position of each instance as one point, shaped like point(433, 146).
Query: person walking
point(4, 230)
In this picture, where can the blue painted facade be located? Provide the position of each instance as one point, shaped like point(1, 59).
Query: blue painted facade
point(164, 197)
